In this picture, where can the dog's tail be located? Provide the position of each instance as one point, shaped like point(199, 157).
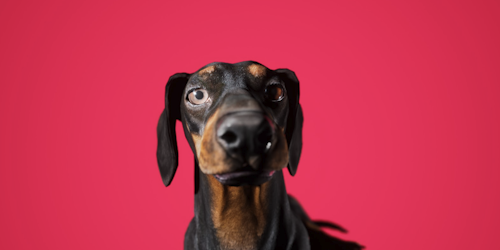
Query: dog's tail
point(319, 240)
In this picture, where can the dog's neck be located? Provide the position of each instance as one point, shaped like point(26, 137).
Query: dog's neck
point(238, 214)
point(244, 217)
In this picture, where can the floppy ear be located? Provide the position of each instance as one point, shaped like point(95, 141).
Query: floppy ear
point(166, 153)
point(295, 147)
point(295, 118)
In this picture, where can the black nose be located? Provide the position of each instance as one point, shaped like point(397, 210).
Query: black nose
point(245, 134)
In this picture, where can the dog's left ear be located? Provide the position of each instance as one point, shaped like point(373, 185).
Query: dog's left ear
point(295, 118)
point(166, 153)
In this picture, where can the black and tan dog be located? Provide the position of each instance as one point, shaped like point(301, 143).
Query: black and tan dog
point(244, 124)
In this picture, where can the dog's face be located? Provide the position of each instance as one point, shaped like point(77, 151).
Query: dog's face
point(242, 121)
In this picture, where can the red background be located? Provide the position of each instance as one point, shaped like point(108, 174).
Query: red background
point(401, 105)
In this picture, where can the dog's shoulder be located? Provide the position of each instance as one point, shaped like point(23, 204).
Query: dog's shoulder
point(319, 240)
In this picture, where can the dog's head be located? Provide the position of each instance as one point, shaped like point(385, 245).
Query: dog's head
point(243, 121)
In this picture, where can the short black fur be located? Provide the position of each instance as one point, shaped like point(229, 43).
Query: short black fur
point(288, 226)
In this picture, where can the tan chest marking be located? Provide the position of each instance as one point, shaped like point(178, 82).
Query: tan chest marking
point(238, 214)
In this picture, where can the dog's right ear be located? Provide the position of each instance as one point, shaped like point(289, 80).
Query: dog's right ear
point(166, 153)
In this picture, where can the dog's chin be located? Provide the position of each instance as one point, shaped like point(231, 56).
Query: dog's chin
point(240, 178)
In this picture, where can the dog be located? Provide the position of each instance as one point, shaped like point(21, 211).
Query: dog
point(243, 123)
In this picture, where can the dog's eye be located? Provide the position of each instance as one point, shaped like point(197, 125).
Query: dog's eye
point(275, 92)
point(198, 96)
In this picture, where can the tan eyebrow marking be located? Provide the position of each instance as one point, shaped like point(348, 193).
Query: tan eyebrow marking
point(207, 70)
point(257, 70)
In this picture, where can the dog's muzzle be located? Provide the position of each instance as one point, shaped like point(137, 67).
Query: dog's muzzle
point(246, 136)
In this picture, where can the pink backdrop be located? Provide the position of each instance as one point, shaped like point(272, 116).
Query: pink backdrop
point(401, 103)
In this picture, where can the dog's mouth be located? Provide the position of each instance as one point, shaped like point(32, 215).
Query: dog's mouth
point(245, 177)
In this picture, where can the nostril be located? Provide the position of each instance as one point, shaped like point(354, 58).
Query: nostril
point(229, 137)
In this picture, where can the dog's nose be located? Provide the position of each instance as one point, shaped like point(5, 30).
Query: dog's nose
point(245, 134)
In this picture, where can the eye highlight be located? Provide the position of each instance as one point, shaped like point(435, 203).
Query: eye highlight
point(198, 96)
point(275, 92)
